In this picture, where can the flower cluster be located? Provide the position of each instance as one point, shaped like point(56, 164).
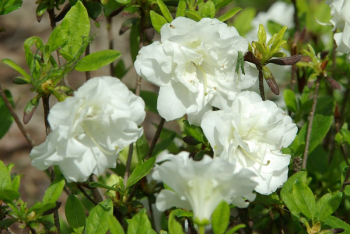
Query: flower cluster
point(341, 20)
point(90, 129)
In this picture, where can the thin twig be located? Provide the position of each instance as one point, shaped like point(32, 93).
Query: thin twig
point(261, 85)
point(345, 180)
point(110, 42)
point(151, 213)
point(128, 164)
point(311, 119)
point(155, 138)
point(87, 52)
point(295, 16)
point(46, 106)
point(15, 117)
point(87, 195)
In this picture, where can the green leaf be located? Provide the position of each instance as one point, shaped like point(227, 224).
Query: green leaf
point(75, 213)
point(53, 192)
point(5, 115)
point(7, 6)
point(94, 61)
point(150, 99)
point(181, 9)
point(173, 225)
point(142, 147)
point(9, 195)
point(120, 70)
point(290, 100)
point(114, 226)
point(194, 131)
point(193, 15)
point(334, 222)
point(124, 2)
point(157, 21)
point(220, 218)
point(243, 21)
point(304, 199)
point(28, 43)
point(235, 228)
point(260, 47)
point(98, 220)
point(165, 11)
point(100, 185)
point(135, 40)
point(141, 170)
point(228, 15)
point(163, 145)
point(344, 133)
point(14, 66)
point(208, 10)
point(286, 192)
point(72, 32)
point(327, 204)
point(139, 224)
point(262, 35)
point(95, 10)
point(182, 213)
point(273, 27)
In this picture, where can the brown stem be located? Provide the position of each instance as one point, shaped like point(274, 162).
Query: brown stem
point(110, 41)
point(87, 195)
point(309, 128)
point(87, 73)
point(15, 117)
point(296, 20)
point(155, 138)
point(128, 164)
point(46, 106)
point(261, 85)
point(151, 213)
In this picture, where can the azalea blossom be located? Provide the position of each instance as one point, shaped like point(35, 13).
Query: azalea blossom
point(251, 133)
point(89, 129)
point(201, 185)
point(341, 20)
point(194, 65)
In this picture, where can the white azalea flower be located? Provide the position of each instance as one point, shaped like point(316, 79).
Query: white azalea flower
point(89, 129)
point(252, 133)
point(341, 20)
point(194, 65)
point(201, 185)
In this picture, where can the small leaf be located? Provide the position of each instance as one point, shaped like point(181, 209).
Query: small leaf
point(54, 191)
point(94, 61)
point(30, 108)
point(327, 204)
point(75, 213)
point(20, 81)
point(98, 220)
point(100, 185)
point(260, 47)
point(157, 21)
point(220, 218)
point(173, 225)
point(194, 131)
point(140, 224)
point(235, 229)
point(14, 66)
point(141, 170)
point(5, 115)
point(262, 35)
point(228, 15)
point(208, 10)
point(193, 15)
point(290, 100)
point(165, 11)
point(181, 9)
point(304, 199)
point(270, 80)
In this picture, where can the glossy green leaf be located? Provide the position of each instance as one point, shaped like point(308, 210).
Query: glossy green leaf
point(262, 34)
point(228, 15)
point(142, 147)
point(96, 60)
point(287, 191)
point(5, 115)
point(140, 224)
point(304, 199)
point(114, 226)
point(335, 222)
point(208, 10)
point(134, 40)
point(95, 10)
point(98, 220)
point(7, 6)
point(75, 213)
point(141, 170)
point(193, 15)
point(165, 11)
point(72, 32)
point(150, 99)
point(16, 67)
point(235, 229)
point(290, 100)
point(157, 21)
point(54, 191)
point(181, 9)
point(220, 218)
point(194, 131)
point(327, 204)
point(173, 225)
